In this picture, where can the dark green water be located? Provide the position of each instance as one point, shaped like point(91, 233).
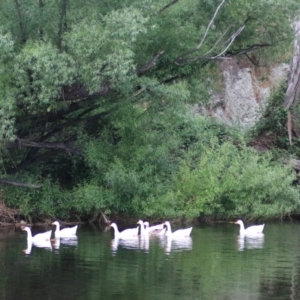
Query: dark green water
point(213, 264)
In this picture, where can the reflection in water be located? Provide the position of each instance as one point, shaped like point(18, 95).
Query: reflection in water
point(176, 244)
point(40, 244)
point(211, 268)
point(140, 243)
point(251, 241)
point(71, 241)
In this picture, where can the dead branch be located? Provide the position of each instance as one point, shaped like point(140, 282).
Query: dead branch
point(216, 56)
point(165, 7)
point(209, 25)
point(230, 41)
point(59, 145)
point(181, 57)
point(140, 71)
point(106, 220)
point(78, 91)
point(30, 159)
point(21, 184)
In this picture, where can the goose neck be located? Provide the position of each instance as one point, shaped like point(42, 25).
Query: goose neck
point(168, 231)
point(242, 227)
point(117, 232)
point(142, 228)
point(29, 235)
point(57, 228)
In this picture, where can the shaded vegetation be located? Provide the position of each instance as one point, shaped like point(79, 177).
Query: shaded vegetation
point(97, 115)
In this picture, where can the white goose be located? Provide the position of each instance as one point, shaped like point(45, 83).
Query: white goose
point(142, 228)
point(66, 232)
point(127, 233)
point(250, 230)
point(38, 238)
point(180, 233)
point(155, 230)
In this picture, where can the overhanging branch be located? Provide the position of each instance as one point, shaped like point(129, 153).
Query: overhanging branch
point(59, 145)
point(21, 184)
point(165, 7)
point(78, 91)
point(140, 71)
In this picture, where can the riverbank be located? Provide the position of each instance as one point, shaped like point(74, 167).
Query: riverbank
point(126, 221)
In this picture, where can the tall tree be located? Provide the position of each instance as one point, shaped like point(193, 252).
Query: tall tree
point(77, 71)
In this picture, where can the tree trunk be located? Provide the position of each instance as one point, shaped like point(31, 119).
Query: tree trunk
point(293, 85)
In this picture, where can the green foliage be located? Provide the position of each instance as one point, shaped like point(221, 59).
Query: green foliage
point(98, 96)
point(273, 121)
point(230, 182)
point(40, 71)
point(109, 54)
point(272, 127)
point(49, 200)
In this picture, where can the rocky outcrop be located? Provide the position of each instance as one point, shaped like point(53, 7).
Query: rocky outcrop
point(245, 91)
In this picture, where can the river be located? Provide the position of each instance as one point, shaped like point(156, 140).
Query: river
point(214, 263)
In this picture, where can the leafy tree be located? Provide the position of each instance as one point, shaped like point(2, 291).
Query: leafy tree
point(95, 94)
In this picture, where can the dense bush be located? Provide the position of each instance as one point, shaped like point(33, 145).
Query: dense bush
point(97, 103)
point(231, 182)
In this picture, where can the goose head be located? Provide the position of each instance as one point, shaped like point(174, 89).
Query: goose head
point(239, 222)
point(113, 225)
point(26, 229)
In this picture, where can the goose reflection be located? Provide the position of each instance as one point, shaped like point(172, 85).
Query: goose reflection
point(137, 243)
point(40, 244)
point(251, 241)
point(176, 244)
point(71, 241)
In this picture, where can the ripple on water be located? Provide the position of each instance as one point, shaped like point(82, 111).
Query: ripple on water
point(214, 263)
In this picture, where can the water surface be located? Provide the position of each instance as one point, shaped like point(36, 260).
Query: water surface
point(214, 263)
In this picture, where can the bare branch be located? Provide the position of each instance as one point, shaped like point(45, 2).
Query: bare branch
point(62, 22)
point(15, 183)
point(30, 160)
point(60, 145)
point(77, 91)
point(209, 25)
point(166, 7)
point(150, 64)
point(230, 40)
point(217, 42)
point(217, 56)
point(181, 57)
point(21, 24)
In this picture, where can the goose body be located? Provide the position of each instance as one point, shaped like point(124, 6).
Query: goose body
point(127, 233)
point(38, 238)
point(154, 230)
point(66, 232)
point(155, 227)
point(256, 229)
point(180, 233)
